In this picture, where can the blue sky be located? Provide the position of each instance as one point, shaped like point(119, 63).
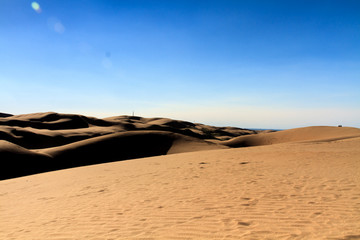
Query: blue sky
point(255, 64)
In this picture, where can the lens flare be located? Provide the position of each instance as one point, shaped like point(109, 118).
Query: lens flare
point(36, 7)
point(56, 25)
point(59, 28)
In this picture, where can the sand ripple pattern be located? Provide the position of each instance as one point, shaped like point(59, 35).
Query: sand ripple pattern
point(285, 191)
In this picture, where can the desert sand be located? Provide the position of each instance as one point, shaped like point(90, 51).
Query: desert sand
point(188, 181)
point(49, 141)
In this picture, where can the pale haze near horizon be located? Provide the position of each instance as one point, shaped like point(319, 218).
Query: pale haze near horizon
point(254, 64)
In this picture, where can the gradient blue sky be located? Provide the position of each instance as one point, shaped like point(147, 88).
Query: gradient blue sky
point(255, 64)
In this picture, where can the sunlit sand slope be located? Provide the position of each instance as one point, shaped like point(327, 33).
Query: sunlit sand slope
point(306, 190)
point(317, 133)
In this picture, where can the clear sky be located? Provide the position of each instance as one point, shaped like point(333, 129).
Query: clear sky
point(255, 64)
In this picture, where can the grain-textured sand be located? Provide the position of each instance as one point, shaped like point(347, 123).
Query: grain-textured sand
point(296, 190)
point(217, 182)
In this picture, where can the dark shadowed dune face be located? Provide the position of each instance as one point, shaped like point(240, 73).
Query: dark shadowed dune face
point(39, 142)
point(3, 115)
point(16, 161)
point(34, 143)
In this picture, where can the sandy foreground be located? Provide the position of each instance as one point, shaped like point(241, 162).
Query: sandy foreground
point(294, 190)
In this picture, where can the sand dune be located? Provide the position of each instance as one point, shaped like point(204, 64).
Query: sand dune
point(320, 133)
point(126, 145)
point(184, 181)
point(43, 130)
point(5, 115)
point(17, 161)
point(52, 141)
point(307, 190)
point(49, 141)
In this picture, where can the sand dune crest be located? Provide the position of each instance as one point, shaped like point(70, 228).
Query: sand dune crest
point(50, 141)
point(317, 133)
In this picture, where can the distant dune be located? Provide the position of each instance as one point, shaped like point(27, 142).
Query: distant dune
point(34, 143)
point(5, 115)
point(321, 133)
point(40, 142)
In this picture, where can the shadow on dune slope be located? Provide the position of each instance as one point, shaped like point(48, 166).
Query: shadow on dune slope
point(34, 143)
point(39, 142)
point(4, 115)
point(17, 161)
